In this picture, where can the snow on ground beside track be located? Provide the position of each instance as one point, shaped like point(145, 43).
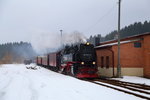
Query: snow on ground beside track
point(146, 95)
point(134, 79)
point(19, 83)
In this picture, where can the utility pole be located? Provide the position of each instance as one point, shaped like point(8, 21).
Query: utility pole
point(61, 38)
point(119, 65)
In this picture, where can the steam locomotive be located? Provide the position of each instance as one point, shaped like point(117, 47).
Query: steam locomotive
point(78, 61)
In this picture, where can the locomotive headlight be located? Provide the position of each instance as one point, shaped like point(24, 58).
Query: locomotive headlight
point(82, 63)
point(94, 63)
point(87, 43)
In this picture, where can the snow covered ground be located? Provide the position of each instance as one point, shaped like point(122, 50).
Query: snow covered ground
point(19, 83)
point(134, 79)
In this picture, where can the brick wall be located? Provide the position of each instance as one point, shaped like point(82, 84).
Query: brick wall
point(135, 57)
point(130, 56)
point(104, 53)
point(147, 56)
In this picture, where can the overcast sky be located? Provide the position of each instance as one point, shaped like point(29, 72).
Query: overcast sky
point(24, 20)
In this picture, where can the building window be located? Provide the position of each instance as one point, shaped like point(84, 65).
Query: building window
point(107, 61)
point(137, 44)
point(102, 61)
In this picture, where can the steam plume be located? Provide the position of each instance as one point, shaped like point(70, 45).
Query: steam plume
point(46, 42)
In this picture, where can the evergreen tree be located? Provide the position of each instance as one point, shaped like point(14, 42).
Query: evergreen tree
point(133, 29)
point(16, 52)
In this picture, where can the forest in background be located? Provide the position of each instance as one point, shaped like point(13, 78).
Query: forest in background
point(133, 29)
point(16, 52)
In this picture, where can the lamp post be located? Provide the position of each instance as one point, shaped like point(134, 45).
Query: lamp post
point(119, 65)
point(61, 38)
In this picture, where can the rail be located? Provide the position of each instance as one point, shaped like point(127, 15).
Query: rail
point(138, 90)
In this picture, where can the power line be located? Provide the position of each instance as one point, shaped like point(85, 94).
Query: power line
point(101, 18)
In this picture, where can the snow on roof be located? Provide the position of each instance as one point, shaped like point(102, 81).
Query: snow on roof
point(146, 33)
point(123, 39)
point(115, 43)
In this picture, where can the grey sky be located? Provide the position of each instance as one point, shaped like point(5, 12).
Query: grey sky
point(21, 20)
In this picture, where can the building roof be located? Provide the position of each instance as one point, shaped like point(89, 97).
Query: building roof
point(122, 41)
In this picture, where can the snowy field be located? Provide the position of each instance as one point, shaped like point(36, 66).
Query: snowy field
point(19, 83)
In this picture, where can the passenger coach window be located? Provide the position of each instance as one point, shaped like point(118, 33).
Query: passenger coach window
point(102, 61)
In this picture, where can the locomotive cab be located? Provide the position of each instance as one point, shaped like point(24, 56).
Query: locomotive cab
point(87, 58)
point(79, 61)
point(87, 54)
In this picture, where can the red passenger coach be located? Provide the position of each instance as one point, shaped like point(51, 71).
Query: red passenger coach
point(39, 60)
point(44, 61)
point(54, 61)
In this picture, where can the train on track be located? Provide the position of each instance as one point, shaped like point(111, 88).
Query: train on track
point(77, 60)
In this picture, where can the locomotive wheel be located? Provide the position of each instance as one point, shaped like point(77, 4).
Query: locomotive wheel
point(64, 71)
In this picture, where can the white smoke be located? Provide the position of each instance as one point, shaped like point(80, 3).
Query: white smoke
point(73, 38)
point(45, 42)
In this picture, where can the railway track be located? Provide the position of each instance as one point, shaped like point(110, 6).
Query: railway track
point(138, 90)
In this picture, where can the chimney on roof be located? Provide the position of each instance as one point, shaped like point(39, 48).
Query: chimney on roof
point(97, 41)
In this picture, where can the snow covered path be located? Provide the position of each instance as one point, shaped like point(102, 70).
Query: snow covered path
point(19, 83)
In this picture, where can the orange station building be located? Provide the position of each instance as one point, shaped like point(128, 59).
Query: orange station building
point(134, 56)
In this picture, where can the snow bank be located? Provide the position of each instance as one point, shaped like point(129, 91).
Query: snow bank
point(19, 83)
